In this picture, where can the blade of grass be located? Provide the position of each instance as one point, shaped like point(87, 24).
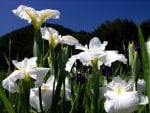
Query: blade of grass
point(6, 102)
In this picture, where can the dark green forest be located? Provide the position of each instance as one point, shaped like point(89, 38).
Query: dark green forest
point(18, 44)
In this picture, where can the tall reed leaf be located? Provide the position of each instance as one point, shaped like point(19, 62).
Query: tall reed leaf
point(6, 102)
point(145, 60)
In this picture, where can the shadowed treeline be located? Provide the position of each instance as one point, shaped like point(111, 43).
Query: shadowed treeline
point(118, 33)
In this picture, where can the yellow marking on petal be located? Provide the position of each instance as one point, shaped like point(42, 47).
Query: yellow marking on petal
point(94, 61)
point(27, 77)
point(44, 88)
point(53, 40)
point(31, 14)
point(20, 68)
point(45, 15)
point(119, 91)
point(35, 20)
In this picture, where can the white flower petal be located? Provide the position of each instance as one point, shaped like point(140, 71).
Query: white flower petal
point(14, 76)
point(9, 82)
point(94, 44)
point(121, 97)
point(85, 58)
point(26, 64)
point(116, 81)
point(101, 58)
point(81, 47)
point(130, 85)
point(47, 92)
point(46, 33)
point(103, 45)
point(127, 102)
point(21, 12)
point(96, 51)
point(18, 65)
point(70, 62)
point(143, 100)
point(34, 99)
point(32, 15)
point(50, 80)
point(49, 13)
point(27, 67)
point(141, 86)
point(11, 86)
point(30, 63)
point(67, 90)
point(47, 99)
point(38, 74)
point(148, 46)
point(69, 40)
point(108, 105)
point(112, 56)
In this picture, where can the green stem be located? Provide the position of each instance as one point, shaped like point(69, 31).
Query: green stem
point(96, 92)
point(38, 45)
point(40, 99)
point(60, 73)
point(57, 94)
point(134, 69)
point(76, 97)
point(9, 60)
point(25, 95)
point(96, 84)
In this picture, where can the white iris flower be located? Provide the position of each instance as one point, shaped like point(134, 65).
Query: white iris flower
point(54, 38)
point(96, 50)
point(121, 96)
point(25, 69)
point(34, 16)
point(47, 94)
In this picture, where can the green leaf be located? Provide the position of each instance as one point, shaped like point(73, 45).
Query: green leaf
point(145, 61)
point(6, 102)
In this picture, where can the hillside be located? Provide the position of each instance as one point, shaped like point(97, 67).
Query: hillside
point(20, 42)
point(118, 33)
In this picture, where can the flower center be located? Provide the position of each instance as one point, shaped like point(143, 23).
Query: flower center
point(53, 40)
point(119, 91)
point(44, 88)
point(27, 77)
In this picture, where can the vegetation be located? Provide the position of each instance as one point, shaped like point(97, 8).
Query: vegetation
point(77, 79)
point(117, 32)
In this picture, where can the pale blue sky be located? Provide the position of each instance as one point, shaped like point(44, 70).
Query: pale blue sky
point(76, 14)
